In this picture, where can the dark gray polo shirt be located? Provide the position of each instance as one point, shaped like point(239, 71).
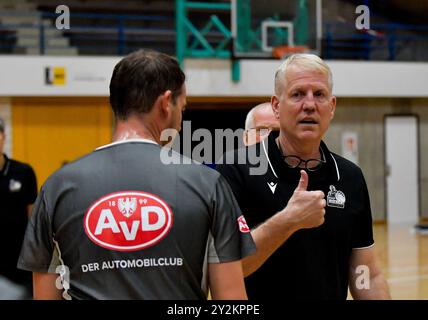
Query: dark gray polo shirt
point(128, 226)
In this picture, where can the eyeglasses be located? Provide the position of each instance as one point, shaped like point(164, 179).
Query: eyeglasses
point(297, 162)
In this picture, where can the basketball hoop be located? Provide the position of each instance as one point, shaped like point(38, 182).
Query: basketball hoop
point(282, 52)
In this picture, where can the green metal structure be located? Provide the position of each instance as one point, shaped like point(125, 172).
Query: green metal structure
point(192, 41)
point(199, 47)
point(301, 23)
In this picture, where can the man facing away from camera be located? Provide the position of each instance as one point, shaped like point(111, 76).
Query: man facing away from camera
point(118, 223)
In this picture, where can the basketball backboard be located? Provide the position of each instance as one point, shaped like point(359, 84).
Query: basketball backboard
point(268, 28)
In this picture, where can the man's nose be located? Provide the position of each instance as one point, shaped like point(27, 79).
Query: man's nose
point(309, 102)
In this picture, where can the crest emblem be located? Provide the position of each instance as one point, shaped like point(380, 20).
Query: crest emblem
point(127, 206)
point(14, 185)
point(336, 198)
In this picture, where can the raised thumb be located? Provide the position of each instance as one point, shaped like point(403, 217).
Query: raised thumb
point(303, 182)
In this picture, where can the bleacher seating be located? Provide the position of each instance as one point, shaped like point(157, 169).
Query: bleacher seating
point(101, 27)
point(116, 28)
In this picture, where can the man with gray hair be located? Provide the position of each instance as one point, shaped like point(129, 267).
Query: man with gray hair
point(18, 191)
point(260, 121)
point(310, 213)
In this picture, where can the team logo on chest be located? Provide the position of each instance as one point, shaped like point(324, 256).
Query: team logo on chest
point(336, 198)
point(14, 185)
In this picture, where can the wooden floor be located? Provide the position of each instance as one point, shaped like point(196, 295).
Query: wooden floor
point(403, 254)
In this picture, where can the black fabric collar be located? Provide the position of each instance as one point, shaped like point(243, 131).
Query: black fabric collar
point(328, 170)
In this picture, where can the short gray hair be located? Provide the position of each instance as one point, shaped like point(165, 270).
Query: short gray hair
point(306, 61)
point(249, 120)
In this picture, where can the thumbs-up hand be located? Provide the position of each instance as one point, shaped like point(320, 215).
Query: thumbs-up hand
point(303, 182)
point(305, 209)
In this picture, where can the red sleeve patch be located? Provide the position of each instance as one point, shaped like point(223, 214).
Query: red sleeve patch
point(243, 226)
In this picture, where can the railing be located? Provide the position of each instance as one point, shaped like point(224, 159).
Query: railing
point(117, 34)
point(112, 34)
point(392, 41)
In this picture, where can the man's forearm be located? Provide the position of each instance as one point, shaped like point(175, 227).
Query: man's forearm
point(268, 237)
point(378, 290)
point(44, 286)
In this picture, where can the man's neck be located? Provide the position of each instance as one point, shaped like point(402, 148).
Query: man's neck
point(304, 150)
point(2, 161)
point(135, 128)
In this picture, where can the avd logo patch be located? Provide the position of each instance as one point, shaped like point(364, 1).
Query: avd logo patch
point(243, 226)
point(128, 221)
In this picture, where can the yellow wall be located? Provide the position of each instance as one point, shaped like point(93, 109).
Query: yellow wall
point(50, 131)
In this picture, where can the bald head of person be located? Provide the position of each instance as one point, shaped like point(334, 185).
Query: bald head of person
point(259, 123)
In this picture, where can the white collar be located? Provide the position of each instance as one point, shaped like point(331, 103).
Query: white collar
point(141, 140)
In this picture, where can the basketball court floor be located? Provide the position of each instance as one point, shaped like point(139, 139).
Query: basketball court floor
point(403, 255)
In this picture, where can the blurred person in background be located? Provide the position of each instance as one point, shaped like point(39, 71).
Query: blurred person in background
point(260, 121)
point(18, 191)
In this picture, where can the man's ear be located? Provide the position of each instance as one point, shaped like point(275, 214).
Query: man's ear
point(333, 106)
point(245, 137)
point(165, 101)
point(274, 101)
